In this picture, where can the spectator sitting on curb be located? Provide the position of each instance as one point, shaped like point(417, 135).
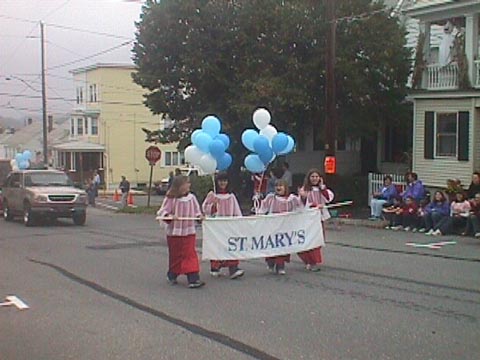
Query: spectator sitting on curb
point(437, 209)
point(406, 217)
point(382, 197)
point(474, 187)
point(473, 221)
point(414, 189)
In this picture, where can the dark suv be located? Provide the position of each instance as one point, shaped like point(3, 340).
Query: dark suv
point(42, 194)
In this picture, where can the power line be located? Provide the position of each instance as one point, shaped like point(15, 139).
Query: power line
point(91, 56)
point(64, 27)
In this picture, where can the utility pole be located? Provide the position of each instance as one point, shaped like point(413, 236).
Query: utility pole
point(44, 96)
point(330, 88)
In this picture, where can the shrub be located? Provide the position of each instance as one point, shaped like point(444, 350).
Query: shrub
point(201, 185)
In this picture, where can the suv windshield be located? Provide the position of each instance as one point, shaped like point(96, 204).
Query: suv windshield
point(47, 179)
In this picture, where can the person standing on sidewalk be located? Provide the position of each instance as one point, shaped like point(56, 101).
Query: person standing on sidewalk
point(124, 188)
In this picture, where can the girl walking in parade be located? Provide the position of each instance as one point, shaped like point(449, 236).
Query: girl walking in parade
point(223, 203)
point(315, 194)
point(279, 202)
point(183, 259)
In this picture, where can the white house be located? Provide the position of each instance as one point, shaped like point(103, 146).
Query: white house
point(446, 92)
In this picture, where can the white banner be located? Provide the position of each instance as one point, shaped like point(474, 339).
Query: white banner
point(238, 238)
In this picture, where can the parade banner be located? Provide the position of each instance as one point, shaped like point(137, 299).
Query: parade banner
point(239, 238)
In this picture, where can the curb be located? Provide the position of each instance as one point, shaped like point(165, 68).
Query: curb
point(359, 222)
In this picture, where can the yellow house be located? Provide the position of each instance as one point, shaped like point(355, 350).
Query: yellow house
point(106, 129)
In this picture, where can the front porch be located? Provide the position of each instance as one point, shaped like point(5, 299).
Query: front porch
point(447, 77)
point(448, 48)
point(79, 160)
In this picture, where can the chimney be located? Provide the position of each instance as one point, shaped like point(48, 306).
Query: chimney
point(29, 121)
point(50, 123)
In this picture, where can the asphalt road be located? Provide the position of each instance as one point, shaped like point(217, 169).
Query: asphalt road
point(99, 292)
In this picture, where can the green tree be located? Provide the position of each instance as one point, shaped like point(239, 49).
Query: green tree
point(198, 57)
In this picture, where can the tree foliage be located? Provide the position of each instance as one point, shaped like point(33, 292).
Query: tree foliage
point(200, 57)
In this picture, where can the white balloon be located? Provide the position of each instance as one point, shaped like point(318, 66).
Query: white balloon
point(193, 155)
point(13, 163)
point(269, 132)
point(208, 164)
point(261, 118)
point(15, 168)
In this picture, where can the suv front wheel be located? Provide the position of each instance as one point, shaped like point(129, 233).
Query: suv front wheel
point(6, 212)
point(80, 218)
point(27, 215)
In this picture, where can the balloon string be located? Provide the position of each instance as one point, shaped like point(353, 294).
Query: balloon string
point(256, 200)
point(214, 185)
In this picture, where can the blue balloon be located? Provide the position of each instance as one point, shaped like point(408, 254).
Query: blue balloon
point(194, 135)
point(18, 158)
point(202, 141)
point(248, 138)
point(254, 164)
point(27, 155)
point(217, 148)
point(266, 156)
point(261, 145)
point(289, 147)
point(279, 142)
point(225, 139)
point(211, 125)
point(23, 164)
point(224, 162)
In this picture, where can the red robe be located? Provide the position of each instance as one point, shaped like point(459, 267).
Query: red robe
point(274, 204)
point(221, 204)
point(181, 239)
point(315, 197)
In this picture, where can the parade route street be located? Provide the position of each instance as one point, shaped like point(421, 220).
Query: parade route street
point(99, 291)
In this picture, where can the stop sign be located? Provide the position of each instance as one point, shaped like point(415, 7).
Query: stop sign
point(153, 154)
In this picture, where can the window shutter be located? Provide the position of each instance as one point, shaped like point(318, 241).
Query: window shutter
point(463, 135)
point(428, 141)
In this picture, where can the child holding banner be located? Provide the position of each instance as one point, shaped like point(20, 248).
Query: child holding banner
point(179, 203)
point(315, 194)
point(280, 202)
point(223, 203)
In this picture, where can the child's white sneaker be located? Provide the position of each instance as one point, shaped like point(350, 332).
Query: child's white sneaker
point(238, 273)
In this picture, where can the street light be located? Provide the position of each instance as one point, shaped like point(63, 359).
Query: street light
point(12, 77)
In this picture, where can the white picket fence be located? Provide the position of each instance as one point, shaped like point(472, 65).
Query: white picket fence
point(375, 182)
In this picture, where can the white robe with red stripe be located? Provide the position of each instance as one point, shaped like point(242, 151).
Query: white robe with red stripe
point(221, 204)
point(185, 206)
point(274, 204)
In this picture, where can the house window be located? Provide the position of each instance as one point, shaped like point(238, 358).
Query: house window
point(79, 126)
point(446, 130)
point(174, 158)
point(94, 126)
point(72, 127)
point(86, 125)
point(92, 89)
point(79, 95)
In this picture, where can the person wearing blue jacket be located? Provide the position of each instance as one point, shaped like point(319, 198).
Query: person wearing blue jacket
point(437, 209)
point(414, 189)
point(385, 195)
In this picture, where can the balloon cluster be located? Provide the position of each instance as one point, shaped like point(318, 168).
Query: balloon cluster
point(209, 146)
point(21, 161)
point(266, 143)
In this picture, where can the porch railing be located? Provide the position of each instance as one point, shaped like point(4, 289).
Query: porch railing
point(375, 182)
point(442, 77)
point(477, 73)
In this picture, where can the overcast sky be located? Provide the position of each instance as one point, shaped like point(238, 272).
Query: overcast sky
point(20, 64)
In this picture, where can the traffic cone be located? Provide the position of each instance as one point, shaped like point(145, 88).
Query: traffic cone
point(116, 197)
point(130, 199)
